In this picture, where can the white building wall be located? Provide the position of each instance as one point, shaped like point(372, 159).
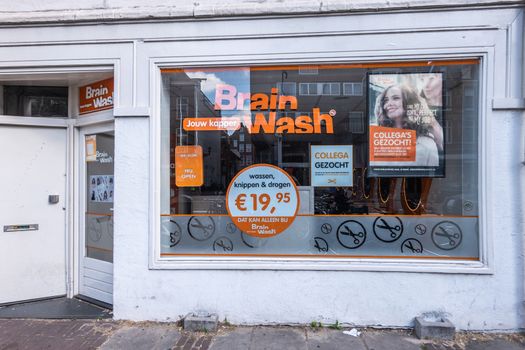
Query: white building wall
point(27, 11)
point(471, 301)
point(361, 298)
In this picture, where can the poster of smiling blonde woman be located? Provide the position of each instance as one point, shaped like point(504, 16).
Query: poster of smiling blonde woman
point(406, 118)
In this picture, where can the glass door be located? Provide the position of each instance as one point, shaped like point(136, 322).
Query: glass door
point(97, 194)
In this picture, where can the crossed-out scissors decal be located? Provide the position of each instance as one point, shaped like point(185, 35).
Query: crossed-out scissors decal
point(231, 228)
point(411, 245)
point(175, 233)
point(447, 235)
point(321, 244)
point(201, 228)
point(243, 238)
point(351, 234)
point(420, 229)
point(386, 230)
point(253, 242)
point(326, 228)
point(223, 242)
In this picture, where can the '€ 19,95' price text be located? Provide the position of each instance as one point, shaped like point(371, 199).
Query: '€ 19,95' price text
point(257, 203)
point(262, 201)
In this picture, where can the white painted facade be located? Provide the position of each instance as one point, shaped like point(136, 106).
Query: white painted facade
point(487, 295)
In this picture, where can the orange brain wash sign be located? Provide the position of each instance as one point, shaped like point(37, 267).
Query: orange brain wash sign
point(97, 96)
point(262, 200)
point(189, 166)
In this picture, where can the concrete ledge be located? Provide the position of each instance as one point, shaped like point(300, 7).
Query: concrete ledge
point(195, 323)
point(439, 329)
point(508, 104)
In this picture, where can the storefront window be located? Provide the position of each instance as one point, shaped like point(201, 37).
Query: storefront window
point(372, 160)
point(35, 101)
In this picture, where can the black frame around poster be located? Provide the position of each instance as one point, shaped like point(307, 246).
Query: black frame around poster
point(376, 84)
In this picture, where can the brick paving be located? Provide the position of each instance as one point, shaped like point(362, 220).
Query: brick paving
point(193, 342)
point(17, 334)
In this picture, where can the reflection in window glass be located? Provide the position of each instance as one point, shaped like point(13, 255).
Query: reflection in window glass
point(409, 210)
point(357, 124)
point(352, 89)
point(36, 101)
point(287, 88)
point(100, 186)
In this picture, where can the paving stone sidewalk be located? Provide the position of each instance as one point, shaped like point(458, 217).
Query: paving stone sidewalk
point(28, 334)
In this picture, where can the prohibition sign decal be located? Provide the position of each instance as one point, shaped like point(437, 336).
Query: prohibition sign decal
point(351, 234)
point(420, 229)
point(223, 244)
point(175, 232)
point(201, 228)
point(321, 244)
point(326, 228)
point(411, 245)
point(447, 235)
point(388, 229)
point(262, 200)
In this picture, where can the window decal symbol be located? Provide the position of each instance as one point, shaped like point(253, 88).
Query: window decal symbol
point(447, 235)
point(388, 229)
point(351, 234)
point(201, 228)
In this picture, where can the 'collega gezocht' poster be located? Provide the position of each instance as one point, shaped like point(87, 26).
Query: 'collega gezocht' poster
point(406, 125)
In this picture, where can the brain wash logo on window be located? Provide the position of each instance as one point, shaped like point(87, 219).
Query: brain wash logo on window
point(227, 98)
point(262, 200)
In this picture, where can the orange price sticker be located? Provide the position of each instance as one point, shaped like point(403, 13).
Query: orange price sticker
point(262, 200)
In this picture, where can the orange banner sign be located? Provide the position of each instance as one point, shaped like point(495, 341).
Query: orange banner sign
point(211, 124)
point(189, 166)
point(392, 144)
point(96, 96)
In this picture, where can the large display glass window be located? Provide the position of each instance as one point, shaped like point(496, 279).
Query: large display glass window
point(370, 160)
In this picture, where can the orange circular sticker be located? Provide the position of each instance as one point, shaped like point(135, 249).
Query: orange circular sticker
point(262, 200)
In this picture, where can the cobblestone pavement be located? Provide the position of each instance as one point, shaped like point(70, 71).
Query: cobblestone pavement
point(30, 334)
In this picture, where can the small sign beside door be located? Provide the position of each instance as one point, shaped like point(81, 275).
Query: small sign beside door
point(91, 148)
point(95, 97)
